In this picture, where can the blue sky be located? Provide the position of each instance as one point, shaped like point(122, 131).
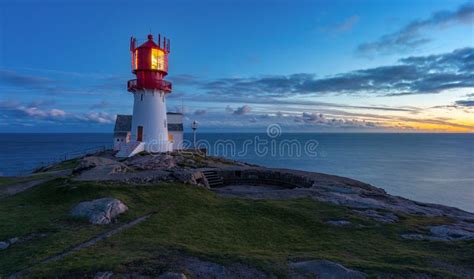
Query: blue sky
point(309, 66)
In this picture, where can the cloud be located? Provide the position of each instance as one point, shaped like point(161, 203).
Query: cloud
point(18, 112)
point(22, 80)
point(38, 113)
point(345, 26)
point(41, 81)
point(412, 75)
point(31, 111)
point(100, 105)
point(229, 109)
point(465, 103)
point(313, 117)
point(181, 109)
point(321, 120)
point(242, 110)
point(200, 112)
point(184, 79)
point(97, 117)
point(469, 102)
point(412, 35)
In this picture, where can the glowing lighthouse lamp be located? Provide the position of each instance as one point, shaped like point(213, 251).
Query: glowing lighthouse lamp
point(149, 129)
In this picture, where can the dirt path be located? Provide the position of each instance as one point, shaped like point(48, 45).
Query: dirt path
point(10, 190)
point(20, 187)
point(84, 245)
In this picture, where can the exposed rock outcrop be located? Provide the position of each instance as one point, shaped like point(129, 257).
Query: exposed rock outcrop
point(4, 245)
point(254, 182)
point(152, 162)
point(101, 211)
point(366, 199)
point(16, 240)
point(324, 269)
point(97, 168)
point(103, 275)
point(202, 269)
point(456, 231)
point(172, 275)
point(381, 216)
point(338, 223)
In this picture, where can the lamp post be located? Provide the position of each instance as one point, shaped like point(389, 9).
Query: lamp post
point(194, 126)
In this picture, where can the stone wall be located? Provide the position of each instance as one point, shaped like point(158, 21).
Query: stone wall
point(262, 176)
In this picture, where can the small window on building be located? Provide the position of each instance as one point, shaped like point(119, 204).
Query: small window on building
point(165, 123)
point(118, 139)
point(141, 97)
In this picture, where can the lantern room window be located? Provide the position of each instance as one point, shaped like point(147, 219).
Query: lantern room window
point(157, 59)
point(135, 60)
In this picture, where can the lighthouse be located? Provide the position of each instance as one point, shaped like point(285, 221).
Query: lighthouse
point(149, 127)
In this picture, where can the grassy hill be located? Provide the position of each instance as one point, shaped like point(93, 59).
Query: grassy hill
point(190, 221)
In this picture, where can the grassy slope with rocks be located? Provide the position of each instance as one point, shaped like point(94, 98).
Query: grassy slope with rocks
point(196, 222)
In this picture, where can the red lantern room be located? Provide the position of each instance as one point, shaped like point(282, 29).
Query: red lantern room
point(150, 65)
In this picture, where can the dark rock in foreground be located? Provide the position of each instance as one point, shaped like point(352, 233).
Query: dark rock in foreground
point(324, 269)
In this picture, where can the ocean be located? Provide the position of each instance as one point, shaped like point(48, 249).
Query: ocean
point(435, 168)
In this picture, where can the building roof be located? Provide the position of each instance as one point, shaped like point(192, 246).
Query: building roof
point(123, 123)
point(175, 127)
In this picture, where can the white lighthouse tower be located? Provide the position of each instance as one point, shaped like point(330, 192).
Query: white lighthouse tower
point(149, 131)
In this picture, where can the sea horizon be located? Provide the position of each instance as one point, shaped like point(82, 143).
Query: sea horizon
point(426, 167)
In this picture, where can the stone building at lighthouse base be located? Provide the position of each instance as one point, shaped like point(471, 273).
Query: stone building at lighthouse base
point(123, 127)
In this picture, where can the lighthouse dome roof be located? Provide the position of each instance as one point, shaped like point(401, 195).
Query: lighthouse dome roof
point(149, 43)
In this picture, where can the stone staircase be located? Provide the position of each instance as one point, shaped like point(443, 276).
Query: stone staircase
point(213, 179)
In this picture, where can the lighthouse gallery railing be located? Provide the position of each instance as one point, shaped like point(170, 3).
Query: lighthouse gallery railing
point(164, 85)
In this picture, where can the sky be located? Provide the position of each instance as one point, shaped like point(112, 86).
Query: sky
point(240, 66)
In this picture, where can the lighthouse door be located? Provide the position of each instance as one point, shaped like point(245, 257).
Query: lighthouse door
point(139, 133)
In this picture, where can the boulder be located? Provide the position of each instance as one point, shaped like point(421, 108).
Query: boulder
point(380, 216)
point(103, 275)
point(172, 275)
point(338, 223)
point(191, 177)
point(4, 245)
point(450, 232)
point(101, 211)
point(324, 269)
point(13, 240)
point(459, 231)
point(203, 269)
point(413, 236)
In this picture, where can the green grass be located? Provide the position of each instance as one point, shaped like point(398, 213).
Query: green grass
point(6, 181)
point(193, 221)
point(66, 165)
point(9, 181)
